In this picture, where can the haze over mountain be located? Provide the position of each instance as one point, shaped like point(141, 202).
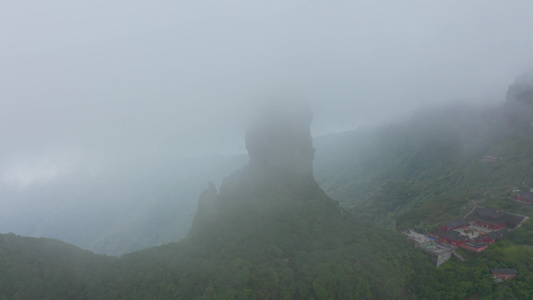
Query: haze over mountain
point(270, 232)
point(382, 172)
point(134, 205)
point(100, 102)
point(114, 116)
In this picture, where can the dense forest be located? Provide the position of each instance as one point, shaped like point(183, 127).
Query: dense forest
point(384, 174)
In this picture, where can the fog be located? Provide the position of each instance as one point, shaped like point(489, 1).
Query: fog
point(116, 104)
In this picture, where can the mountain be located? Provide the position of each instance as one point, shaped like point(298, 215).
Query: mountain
point(453, 154)
point(383, 175)
point(396, 176)
point(271, 232)
point(387, 170)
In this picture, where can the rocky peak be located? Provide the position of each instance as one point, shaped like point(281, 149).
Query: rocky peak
point(519, 104)
point(279, 143)
point(279, 140)
point(521, 90)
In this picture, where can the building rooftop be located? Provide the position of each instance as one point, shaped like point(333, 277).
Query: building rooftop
point(453, 235)
point(477, 245)
point(479, 238)
point(504, 271)
point(494, 215)
point(527, 196)
point(498, 234)
point(513, 220)
point(490, 212)
point(456, 223)
point(490, 220)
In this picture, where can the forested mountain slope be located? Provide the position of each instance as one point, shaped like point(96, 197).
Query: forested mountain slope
point(380, 174)
point(40, 268)
point(269, 232)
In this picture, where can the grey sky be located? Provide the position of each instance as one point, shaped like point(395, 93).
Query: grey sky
point(88, 82)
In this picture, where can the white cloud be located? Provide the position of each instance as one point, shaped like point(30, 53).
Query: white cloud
point(22, 175)
point(40, 166)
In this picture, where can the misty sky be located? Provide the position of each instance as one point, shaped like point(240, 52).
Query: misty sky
point(83, 83)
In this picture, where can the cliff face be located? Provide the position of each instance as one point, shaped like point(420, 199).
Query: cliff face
point(279, 141)
point(281, 154)
point(521, 90)
point(519, 104)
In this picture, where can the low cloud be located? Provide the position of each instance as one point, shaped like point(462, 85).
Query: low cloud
point(25, 174)
point(43, 166)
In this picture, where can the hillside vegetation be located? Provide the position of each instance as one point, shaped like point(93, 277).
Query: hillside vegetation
point(387, 176)
point(279, 246)
point(40, 268)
